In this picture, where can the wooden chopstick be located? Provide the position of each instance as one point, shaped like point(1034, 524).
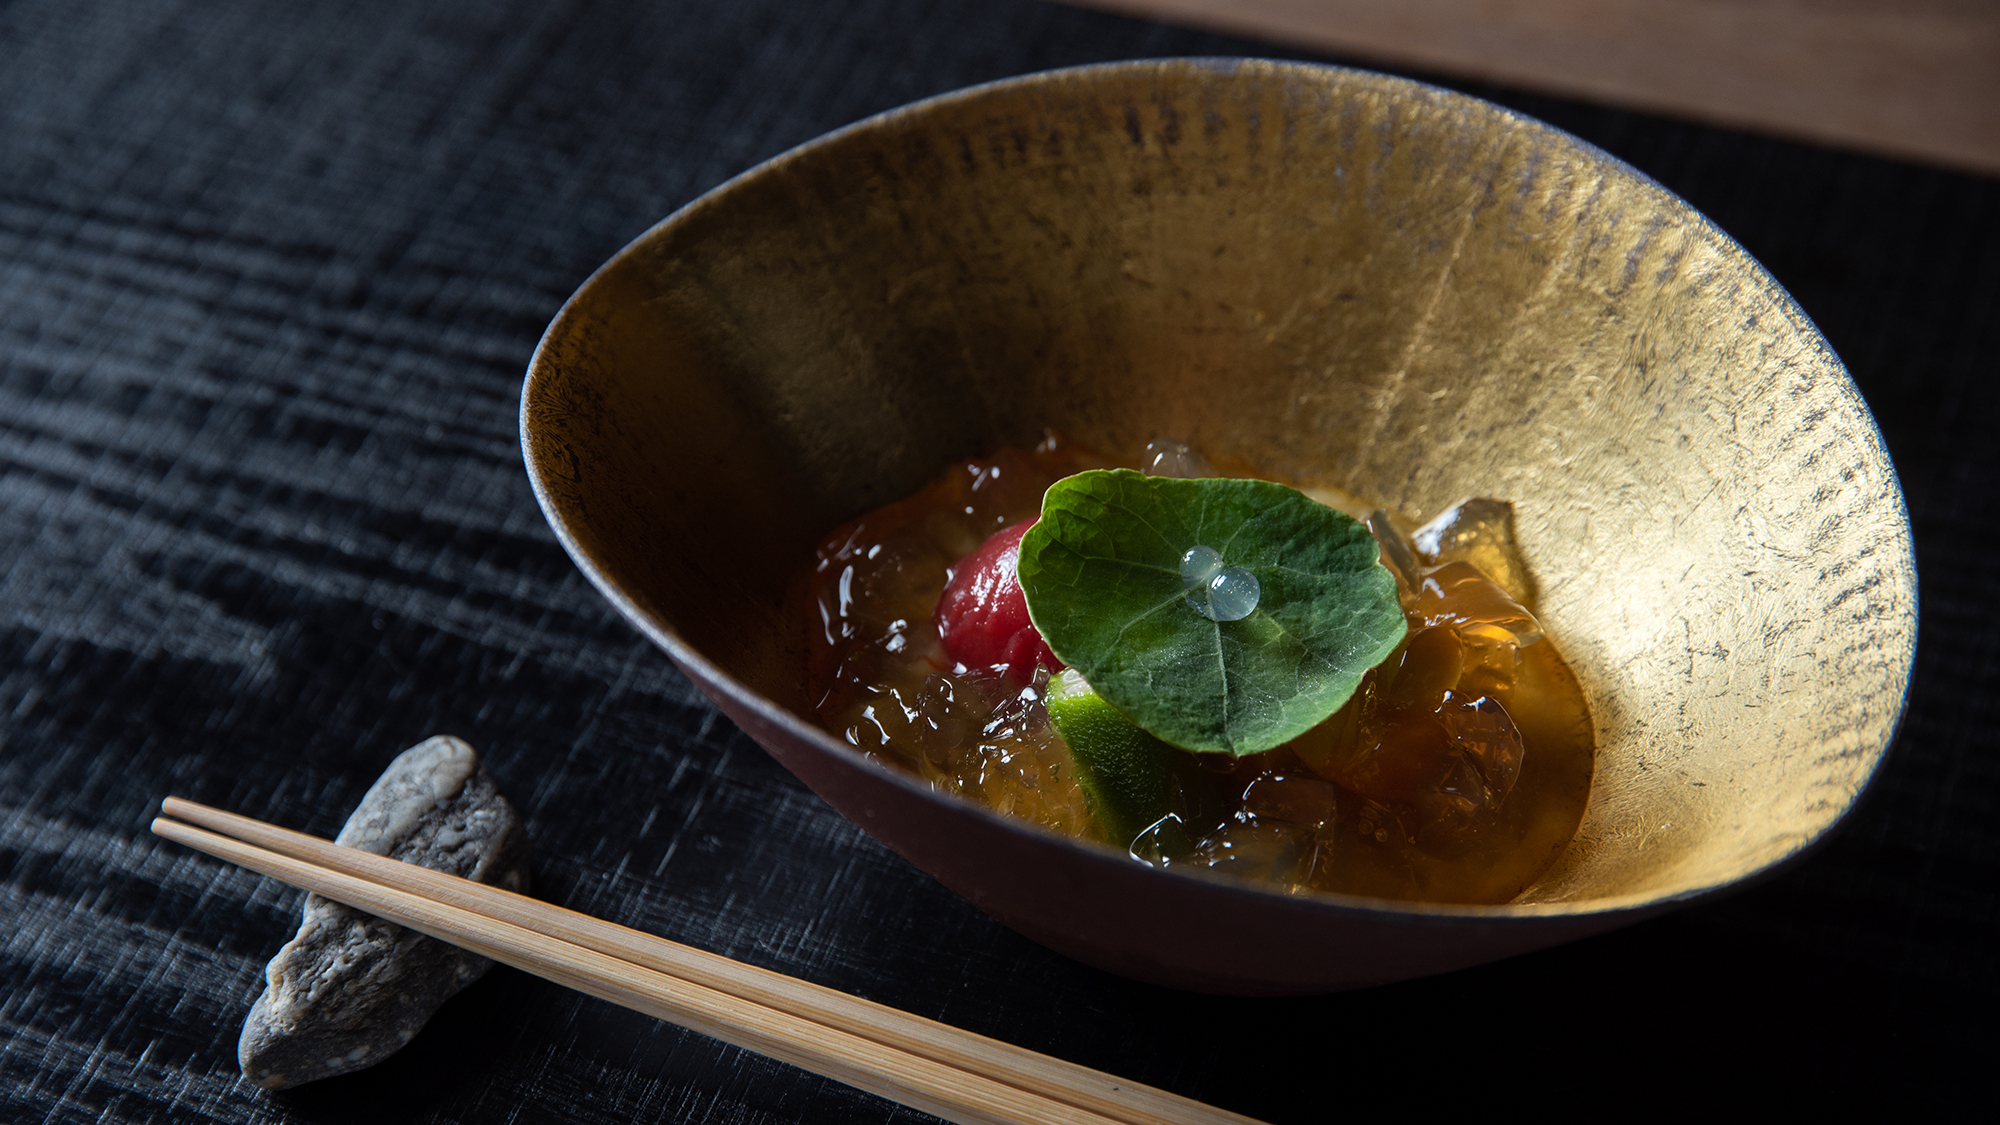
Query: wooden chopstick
point(947, 1092)
point(940, 1069)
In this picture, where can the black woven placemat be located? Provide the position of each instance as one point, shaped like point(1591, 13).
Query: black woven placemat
point(269, 277)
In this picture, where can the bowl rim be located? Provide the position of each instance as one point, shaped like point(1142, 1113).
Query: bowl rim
point(692, 662)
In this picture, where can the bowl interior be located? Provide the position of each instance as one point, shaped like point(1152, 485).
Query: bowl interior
point(1341, 278)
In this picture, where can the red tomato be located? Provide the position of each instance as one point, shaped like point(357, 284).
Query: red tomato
point(983, 616)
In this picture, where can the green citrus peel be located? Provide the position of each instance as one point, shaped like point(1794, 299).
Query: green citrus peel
point(1128, 776)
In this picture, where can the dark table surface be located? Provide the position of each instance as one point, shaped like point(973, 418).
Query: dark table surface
point(269, 277)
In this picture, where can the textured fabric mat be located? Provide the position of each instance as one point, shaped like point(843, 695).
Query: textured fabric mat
point(269, 278)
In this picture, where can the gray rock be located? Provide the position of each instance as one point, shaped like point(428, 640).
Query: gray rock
point(351, 989)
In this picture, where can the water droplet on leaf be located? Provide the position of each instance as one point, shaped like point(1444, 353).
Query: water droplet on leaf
point(1199, 567)
point(1233, 595)
point(1217, 592)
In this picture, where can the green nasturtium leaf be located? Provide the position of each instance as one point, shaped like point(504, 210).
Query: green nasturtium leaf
point(1102, 573)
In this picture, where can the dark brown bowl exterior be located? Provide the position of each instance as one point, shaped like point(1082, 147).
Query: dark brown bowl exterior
point(1343, 278)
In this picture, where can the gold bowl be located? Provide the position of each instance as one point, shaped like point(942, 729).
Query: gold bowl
point(1339, 277)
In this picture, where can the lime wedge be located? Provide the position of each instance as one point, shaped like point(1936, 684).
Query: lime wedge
point(1129, 777)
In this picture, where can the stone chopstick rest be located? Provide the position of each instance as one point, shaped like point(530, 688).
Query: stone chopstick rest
point(350, 989)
